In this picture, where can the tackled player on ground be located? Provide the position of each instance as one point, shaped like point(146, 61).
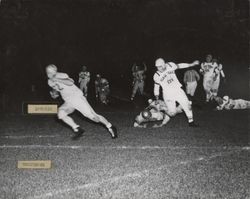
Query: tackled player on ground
point(156, 111)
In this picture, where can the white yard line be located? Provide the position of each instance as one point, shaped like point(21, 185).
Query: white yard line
point(86, 186)
point(122, 147)
point(28, 136)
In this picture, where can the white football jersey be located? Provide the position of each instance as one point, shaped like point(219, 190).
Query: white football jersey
point(84, 75)
point(208, 68)
point(66, 91)
point(167, 79)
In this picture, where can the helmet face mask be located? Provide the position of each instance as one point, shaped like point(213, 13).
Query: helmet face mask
point(51, 71)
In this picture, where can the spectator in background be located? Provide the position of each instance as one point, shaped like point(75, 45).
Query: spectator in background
point(84, 78)
point(191, 78)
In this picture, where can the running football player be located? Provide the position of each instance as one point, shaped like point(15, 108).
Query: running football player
point(73, 100)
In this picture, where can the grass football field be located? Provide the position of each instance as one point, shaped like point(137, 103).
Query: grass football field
point(175, 161)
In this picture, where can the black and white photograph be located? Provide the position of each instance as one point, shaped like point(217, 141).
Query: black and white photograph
point(124, 99)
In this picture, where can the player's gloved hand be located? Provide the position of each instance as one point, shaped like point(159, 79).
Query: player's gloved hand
point(224, 80)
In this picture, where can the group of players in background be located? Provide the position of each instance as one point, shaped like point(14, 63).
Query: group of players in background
point(174, 99)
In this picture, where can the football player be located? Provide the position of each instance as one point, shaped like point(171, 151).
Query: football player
point(209, 69)
point(102, 89)
point(156, 111)
point(138, 80)
point(73, 100)
point(228, 103)
point(166, 78)
point(218, 71)
point(84, 78)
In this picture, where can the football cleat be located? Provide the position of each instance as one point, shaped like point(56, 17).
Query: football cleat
point(78, 133)
point(113, 132)
point(192, 124)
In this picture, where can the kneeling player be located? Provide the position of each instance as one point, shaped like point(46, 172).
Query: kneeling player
point(156, 111)
point(228, 104)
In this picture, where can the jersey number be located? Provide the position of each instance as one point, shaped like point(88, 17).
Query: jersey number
point(170, 81)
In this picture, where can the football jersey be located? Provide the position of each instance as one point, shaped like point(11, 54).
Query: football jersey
point(208, 68)
point(65, 90)
point(167, 79)
point(84, 75)
point(139, 75)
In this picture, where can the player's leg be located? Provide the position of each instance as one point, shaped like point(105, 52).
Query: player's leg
point(192, 91)
point(63, 113)
point(179, 109)
point(141, 87)
point(182, 99)
point(171, 106)
point(165, 120)
point(241, 104)
point(247, 103)
point(193, 87)
point(135, 88)
point(102, 97)
point(207, 87)
point(82, 105)
point(82, 85)
point(138, 121)
point(215, 87)
point(189, 90)
point(85, 88)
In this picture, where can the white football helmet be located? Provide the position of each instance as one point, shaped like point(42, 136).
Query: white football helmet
point(159, 62)
point(226, 98)
point(51, 70)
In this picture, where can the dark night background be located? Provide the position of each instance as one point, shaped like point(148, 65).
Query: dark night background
point(108, 36)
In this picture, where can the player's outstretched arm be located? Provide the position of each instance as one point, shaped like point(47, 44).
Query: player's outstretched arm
point(187, 65)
